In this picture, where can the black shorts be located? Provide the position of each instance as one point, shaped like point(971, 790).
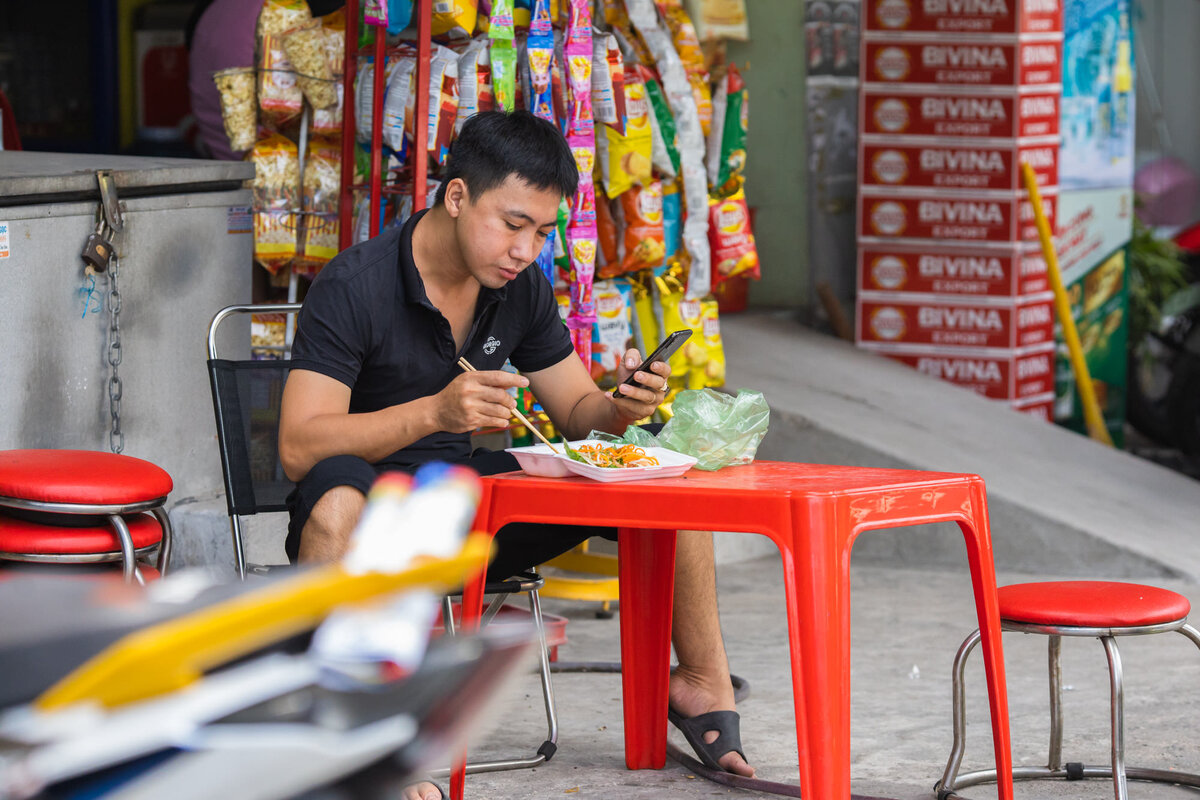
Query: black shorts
point(519, 545)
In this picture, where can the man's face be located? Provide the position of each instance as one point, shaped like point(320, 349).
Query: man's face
point(503, 230)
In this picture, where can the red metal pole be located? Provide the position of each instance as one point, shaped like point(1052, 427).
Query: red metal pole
point(349, 70)
point(421, 123)
point(376, 179)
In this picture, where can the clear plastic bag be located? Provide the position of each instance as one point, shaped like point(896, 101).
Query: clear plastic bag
point(718, 429)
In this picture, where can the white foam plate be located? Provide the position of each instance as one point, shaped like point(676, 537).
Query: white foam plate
point(539, 460)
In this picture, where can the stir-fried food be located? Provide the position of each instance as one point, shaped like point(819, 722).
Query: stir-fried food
point(614, 456)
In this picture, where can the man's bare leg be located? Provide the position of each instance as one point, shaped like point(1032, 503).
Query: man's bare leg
point(325, 538)
point(326, 534)
point(701, 682)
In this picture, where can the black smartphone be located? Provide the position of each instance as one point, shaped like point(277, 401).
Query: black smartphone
point(661, 353)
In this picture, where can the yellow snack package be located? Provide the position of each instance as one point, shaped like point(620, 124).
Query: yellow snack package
point(679, 313)
point(279, 95)
point(625, 160)
point(277, 16)
point(455, 18)
point(710, 326)
point(645, 321)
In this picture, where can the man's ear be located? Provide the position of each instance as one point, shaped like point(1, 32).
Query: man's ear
point(456, 197)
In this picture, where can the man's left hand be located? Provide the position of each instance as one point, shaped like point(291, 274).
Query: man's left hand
point(636, 402)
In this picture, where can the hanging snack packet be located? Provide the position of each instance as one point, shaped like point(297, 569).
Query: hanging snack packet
point(397, 99)
point(454, 18)
point(579, 23)
point(542, 16)
point(334, 26)
point(720, 19)
point(608, 259)
point(443, 102)
point(277, 16)
point(276, 183)
point(274, 239)
point(678, 313)
point(504, 75)
point(540, 50)
point(727, 139)
point(733, 249)
point(279, 96)
point(583, 205)
point(375, 12)
point(644, 237)
point(474, 82)
point(608, 82)
point(689, 132)
point(625, 160)
point(580, 120)
point(364, 92)
point(612, 333)
point(561, 259)
point(710, 326)
point(500, 20)
point(322, 176)
point(672, 219)
point(399, 15)
point(683, 35)
point(645, 321)
point(238, 112)
point(581, 247)
point(663, 156)
point(305, 49)
point(328, 121)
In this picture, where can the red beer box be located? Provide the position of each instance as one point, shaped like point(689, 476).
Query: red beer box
point(901, 318)
point(980, 113)
point(996, 374)
point(964, 16)
point(1041, 406)
point(1014, 271)
point(996, 61)
point(951, 217)
point(942, 164)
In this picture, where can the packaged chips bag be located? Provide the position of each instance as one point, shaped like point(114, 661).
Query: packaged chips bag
point(322, 182)
point(645, 320)
point(642, 207)
point(710, 326)
point(672, 220)
point(277, 16)
point(608, 258)
point(238, 111)
point(681, 313)
point(455, 18)
point(719, 19)
point(474, 82)
point(612, 333)
point(279, 95)
point(499, 21)
point(732, 241)
point(305, 49)
point(443, 102)
point(727, 138)
point(276, 189)
point(540, 58)
point(664, 154)
point(398, 99)
point(608, 82)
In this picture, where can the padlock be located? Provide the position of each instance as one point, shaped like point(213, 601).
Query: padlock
point(98, 249)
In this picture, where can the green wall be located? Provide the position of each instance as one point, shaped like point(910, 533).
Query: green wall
point(775, 154)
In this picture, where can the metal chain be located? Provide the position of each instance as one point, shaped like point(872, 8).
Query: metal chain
point(116, 439)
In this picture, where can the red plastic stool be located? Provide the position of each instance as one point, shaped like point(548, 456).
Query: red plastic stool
point(1102, 609)
point(61, 500)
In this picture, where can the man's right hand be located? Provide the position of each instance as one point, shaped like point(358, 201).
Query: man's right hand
point(477, 400)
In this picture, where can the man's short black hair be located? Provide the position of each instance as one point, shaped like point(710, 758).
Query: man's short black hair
point(493, 145)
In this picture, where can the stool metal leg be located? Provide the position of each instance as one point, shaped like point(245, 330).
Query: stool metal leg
point(129, 568)
point(1120, 787)
point(1054, 761)
point(959, 710)
point(535, 608)
point(164, 547)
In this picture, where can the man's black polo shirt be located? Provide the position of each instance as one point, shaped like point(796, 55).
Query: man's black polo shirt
point(368, 323)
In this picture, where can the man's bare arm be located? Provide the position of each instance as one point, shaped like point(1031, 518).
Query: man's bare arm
point(315, 421)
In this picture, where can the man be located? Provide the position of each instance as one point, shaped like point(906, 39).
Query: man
point(375, 383)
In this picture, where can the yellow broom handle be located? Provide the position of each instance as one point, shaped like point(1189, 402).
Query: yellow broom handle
point(1083, 379)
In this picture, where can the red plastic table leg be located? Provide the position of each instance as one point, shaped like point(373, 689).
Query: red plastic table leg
point(472, 610)
point(646, 576)
point(977, 534)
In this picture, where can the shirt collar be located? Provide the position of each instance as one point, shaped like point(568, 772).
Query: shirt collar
point(411, 283)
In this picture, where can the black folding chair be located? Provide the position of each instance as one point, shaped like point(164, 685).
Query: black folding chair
point(247, 395)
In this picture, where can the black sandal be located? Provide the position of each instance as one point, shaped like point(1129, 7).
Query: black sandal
point(727, 724)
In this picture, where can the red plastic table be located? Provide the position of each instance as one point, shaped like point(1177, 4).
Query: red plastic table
point(813, 514)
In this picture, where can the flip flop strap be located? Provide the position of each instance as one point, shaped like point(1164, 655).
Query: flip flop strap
point(728, 728)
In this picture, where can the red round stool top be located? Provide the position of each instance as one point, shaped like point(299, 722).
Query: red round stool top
point(1091, 604)
point(87, 477)
point(22, 537)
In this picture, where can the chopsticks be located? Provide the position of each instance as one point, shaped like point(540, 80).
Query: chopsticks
point(466, 365)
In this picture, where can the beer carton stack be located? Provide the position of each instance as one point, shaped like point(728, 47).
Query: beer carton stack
point(956, 95)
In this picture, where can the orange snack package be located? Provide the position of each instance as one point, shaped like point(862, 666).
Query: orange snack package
point(645, 241)
point(729, 234)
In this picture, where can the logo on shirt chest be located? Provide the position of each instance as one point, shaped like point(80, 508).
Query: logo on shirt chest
point(490, 345)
